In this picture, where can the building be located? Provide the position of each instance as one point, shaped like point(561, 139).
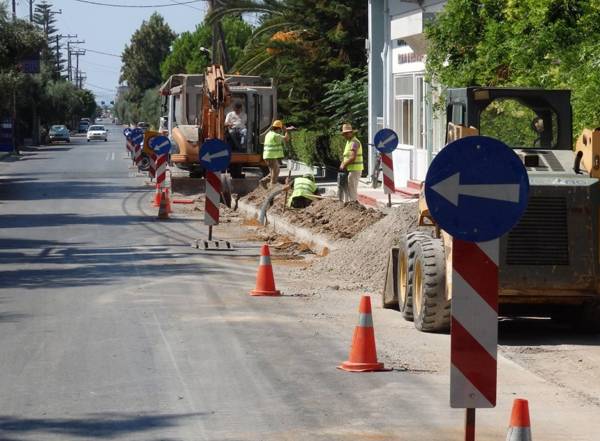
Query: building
point(399, 96)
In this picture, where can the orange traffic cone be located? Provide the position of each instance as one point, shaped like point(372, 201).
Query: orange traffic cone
point(163, 210)
point(157, 196)
point(363, 354)
point(520, 426)
point(265, 282)
point(168, 197)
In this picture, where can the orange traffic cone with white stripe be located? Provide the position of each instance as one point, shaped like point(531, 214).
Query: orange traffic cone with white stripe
point(520, 426)
point(163, 210)
point(265, 282)
point(157, 196)
point(363, 353)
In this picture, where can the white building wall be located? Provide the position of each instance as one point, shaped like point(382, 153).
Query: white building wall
point(407, 98)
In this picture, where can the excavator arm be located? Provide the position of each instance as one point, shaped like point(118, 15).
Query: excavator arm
point(216, 97)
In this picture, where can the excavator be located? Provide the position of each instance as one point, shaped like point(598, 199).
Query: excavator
point(196, 106)
point(550, 261)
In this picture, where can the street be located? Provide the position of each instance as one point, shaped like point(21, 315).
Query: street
point(113, 327)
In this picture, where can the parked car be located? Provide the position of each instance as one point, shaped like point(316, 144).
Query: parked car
point(83, 126)
point(97, 133)
point(143, 125)
point(58, 133)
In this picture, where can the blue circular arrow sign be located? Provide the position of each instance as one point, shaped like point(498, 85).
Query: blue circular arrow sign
point(215, 155)
point(386, 141)
point(137, 136)
point(127, 132)
point(160, 144)
point(476, 189)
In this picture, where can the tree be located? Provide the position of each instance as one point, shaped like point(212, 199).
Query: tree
point(44, 18)
point(142, 57)
point(186, 56)
point(529, 43)
point(304, 45)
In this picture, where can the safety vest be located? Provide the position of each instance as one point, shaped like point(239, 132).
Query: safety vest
point(357, 165)
point(273, 145)
point(302, 187)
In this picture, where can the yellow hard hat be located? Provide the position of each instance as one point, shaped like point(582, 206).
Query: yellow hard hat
point(278, 124)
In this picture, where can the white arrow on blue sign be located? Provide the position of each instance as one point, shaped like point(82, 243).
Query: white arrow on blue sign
point(160, 144)
point(215, 155)
point(476, 189)
point(386, 141)
point(137, 136)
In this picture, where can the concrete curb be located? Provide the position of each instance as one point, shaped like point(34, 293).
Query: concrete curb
point(316, 242)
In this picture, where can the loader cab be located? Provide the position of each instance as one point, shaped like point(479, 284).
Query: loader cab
point(521, 118)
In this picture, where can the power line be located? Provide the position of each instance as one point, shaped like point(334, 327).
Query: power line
point(183, 4)
point(99, 87)
point(164, 5)
point(101, 53)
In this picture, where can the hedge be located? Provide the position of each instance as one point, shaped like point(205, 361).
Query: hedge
point(318, 148)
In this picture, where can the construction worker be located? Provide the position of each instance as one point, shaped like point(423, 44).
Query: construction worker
point(352, 163)
point(304, 191)
point(235, 122)
point(273, 151)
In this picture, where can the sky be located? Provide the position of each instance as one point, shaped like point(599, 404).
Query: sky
point(109, 29)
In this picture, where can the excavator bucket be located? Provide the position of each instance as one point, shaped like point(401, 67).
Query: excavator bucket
point(390, 288)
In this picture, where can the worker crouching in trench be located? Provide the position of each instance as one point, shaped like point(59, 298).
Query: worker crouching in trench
point(304, 191)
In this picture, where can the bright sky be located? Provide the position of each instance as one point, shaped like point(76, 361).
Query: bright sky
point(108, 29)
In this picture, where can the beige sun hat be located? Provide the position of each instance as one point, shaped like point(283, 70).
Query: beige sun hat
point(347, 128)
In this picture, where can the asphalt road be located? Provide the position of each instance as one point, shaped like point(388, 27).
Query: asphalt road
point(113, 327)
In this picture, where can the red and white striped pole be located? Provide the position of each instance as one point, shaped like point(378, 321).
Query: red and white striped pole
point(212, 201)
point(129, 147)
point(161, 176)
point(137, 155)
point(152, 168)
point(387, 164)
point(474, 329)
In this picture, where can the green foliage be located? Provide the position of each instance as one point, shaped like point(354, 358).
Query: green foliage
point(150, 107)
point(526, 43)
point(186, 56)
point(347, 100)
point(304, 146)
point(304, 45)
point(149, 46)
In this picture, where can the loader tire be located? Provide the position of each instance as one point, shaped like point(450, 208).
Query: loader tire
point(406, 264)
point(430, 308)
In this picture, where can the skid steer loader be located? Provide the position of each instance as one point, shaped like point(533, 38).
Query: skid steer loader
point(550, 261)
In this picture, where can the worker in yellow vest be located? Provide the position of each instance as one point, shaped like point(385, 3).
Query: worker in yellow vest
point(352, 162)
point(304, 192)
point(273, 149)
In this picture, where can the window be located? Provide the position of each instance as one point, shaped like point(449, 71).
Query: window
point(519, 126)
point(409, 110)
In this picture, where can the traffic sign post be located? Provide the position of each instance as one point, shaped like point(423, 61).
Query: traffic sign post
point(215, 156)
point(161, 147)
point(476, 190)
point(137, 138)
point(386, 141)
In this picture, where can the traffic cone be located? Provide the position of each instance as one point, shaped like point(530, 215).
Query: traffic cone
point(363, 354)
point(163, 211)
point(265, 282)
point(168, 197)
point(157, 197)
point(520, 426)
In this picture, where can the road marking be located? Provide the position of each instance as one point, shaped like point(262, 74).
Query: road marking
point(112, 156)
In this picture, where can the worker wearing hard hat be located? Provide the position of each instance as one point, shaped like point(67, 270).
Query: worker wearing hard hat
point(273, 150)
point(352, 164)
point(304, 192)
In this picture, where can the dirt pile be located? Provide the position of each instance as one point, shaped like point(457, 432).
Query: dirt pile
point(327, 216)
point(362, 260)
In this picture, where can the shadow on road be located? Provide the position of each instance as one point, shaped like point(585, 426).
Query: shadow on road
point(105, 425)
point(528, 331)
point(33, 190)
point(59, 220)
point(91, 266)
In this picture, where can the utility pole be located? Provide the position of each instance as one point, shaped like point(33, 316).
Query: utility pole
point(58, 37)
point(31, 10)
point(77, 53)
point(220, 54)
point(14, 9)
point(69, 53)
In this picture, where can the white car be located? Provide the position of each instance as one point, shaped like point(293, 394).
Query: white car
point(97, 133)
